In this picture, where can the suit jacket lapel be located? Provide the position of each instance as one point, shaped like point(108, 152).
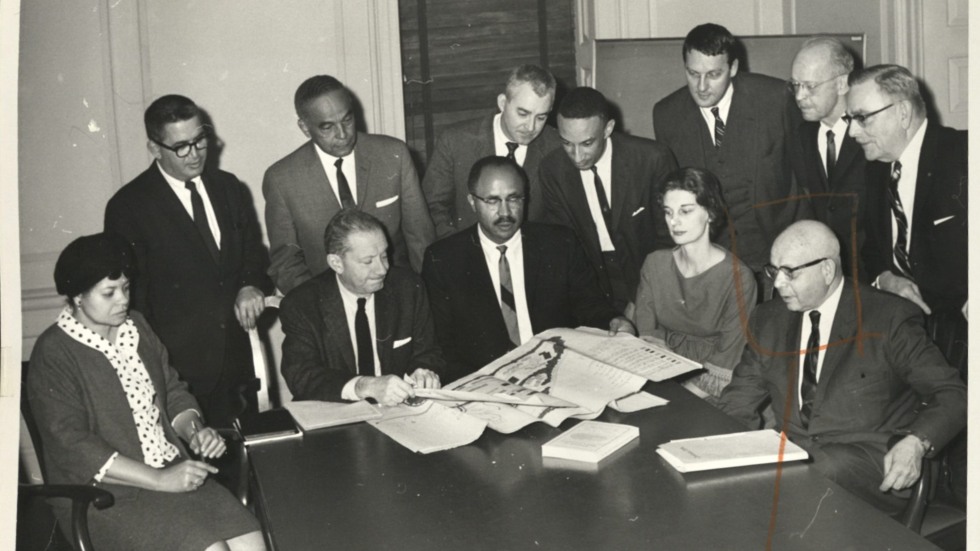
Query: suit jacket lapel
point(740, 126)
point(920, 214)
point(316, 175)
point(620, 187)
point(337, 324)
point(488, 146)
point(844, 328)
point(385, 307)
point(221, 212)
point(168, 202)
point(573, 187)
point(363, 162)
point(811, 157)
point(849, 150)
point(532, 256)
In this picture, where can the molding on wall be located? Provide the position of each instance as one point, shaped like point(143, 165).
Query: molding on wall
point(128, 82)
point(902, 21)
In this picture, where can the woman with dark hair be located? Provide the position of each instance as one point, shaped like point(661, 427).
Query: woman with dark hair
point(111, 412)
point(696, 297)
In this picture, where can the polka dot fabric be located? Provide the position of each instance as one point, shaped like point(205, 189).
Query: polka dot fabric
point(157, 450)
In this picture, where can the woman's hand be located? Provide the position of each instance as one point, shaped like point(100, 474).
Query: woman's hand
point(185, 476)
point(207, 443)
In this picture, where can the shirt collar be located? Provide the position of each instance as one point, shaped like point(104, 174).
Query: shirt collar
point(839, 128)
point(513, 244)
point(723, 105)
point(328, 159)
point(349, 297)
point(604, 163)
point(910, 157)
point(499, 137)
point(177, 185)
point(829, 305)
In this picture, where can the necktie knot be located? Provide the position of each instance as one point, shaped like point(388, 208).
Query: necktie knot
point(714, 111)
point(502, 249)
point(815, 317)
point(511, 148)
point(896, 172)
point(190, 185)
point(360, 304)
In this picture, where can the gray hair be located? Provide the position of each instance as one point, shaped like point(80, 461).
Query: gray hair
point(895, 81)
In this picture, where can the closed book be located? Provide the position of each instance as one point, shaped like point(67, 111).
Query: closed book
point(267, 426)
point(589, 441)
point(730, 450)
point(314, 414)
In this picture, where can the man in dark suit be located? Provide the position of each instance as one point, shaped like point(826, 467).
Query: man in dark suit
point(850, 372)
point(502, 280)
point(605, 187)
point(827, 162)
point(199, 254)
point(735, 127)
point(359, 330)
point(518, 131)
point(917, 213)
point(339, 168)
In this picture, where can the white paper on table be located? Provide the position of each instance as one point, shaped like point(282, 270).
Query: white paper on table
point(429, 427)
point(638, 401)
point(315, 414)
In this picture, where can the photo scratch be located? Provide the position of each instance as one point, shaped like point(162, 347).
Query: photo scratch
point(825, 495)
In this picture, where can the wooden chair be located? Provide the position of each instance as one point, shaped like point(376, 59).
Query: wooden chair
point(261, 363)
point(930, 513)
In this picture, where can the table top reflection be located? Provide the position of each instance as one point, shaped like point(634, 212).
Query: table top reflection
point(354, 488)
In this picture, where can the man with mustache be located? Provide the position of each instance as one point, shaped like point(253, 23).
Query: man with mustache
point(519, 131)
point(604, 186)
point(339, 168)
point(502, 280)
point(199, 257)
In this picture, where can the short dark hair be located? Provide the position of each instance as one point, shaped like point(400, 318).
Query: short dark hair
point(168, 109)
point(707, 192)
point(343, 224)
point(314, 87)
point(584, 103)
point(711, 40)
point(895, 81)
point(495, 162)
point(541, 81)
point(90, 259)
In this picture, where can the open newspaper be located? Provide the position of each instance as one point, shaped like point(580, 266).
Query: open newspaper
point(584, 369)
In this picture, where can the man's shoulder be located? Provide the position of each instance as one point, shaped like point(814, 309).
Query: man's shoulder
point(402, 282)
point(548, 237)
point(556, 161)
point(469, 128)
point(305, 295)
point(378, 142)
point(446, 249)
point(548, 140)
point(638, 146)
point(300, 155)
point(757, 83)
point(675, 99)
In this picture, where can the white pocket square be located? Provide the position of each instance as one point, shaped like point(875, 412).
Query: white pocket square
point(638, 211)
point(938, 221)
point(385, 202)
point(401, 342)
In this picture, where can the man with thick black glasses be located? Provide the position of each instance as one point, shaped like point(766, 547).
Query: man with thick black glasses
point(852, 376)
point(199, 254)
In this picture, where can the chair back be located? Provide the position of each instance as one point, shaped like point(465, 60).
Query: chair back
point(29, 451)
point(261, 361)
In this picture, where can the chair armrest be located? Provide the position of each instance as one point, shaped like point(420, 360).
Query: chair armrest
point(81, 496)
point(922, 492)
point(238, 462)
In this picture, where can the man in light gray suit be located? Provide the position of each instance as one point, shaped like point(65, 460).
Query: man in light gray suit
point(339, 168)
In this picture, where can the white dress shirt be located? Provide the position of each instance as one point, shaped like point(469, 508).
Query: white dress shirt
point(723, 105)
point(840, 130)
point(604, 168)
point(500, 143)
point(350, 171)
point(184, 195)
point(515, 259)
point(906, 185)
point(827, 312)
point(350, 310)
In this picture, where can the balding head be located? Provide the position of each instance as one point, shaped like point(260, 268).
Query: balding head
point(805, 259)
point(819, 79)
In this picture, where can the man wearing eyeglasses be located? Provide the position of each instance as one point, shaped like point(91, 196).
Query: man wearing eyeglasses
point(734, 124)
point(502, 280)
point(604, 186)
point(852, 376)
point(917, 213)
point(827, 163)
point(199, 254)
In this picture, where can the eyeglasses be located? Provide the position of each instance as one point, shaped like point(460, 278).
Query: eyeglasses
point(183, 149)
point(512, 201)
point(790, 273)
point(863, 119)
point(795, 86)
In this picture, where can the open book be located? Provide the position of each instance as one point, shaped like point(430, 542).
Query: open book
point(730, 450)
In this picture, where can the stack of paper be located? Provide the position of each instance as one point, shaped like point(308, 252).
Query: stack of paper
point(589, 441)
point(314, 414)
point(730, 450)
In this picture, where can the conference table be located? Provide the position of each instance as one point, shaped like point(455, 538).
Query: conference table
point(352, 488)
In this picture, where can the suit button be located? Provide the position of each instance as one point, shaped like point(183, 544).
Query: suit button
point(831, 208)
point(221, 325)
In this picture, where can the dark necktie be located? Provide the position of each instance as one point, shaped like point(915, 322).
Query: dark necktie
point(831, 152)
point(600, 191)
point(719, 127)
point(508, 307)
point(901, 223)
point(201, 221)
point(362, 332)
point(808, 390)
point(343, 188)
point(511, 148)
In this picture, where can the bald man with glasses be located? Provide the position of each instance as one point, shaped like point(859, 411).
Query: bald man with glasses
point(852, 376)
point(199, 253)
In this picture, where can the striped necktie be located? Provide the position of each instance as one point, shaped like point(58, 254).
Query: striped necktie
point(507, 304)
point(808, 389)
point(901, 224)
point(719, 127)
